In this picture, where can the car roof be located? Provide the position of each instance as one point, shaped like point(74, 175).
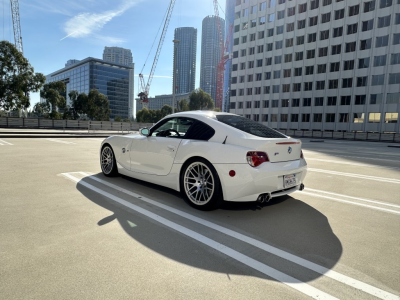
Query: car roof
point(203, 113)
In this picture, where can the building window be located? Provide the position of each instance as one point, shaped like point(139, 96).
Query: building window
point(308, 86)
point(258, 76)
point(287, 73)
point(284, 117)
point(299, 56)
point(261, 34)
point(395, 59)
point(281, 14)
point(358, 117)
point(384, 21)
point(234, 67)
point(374, 117)
point(259, 63)
point(310, 54)
point(314, 4)
point(265, 118)
point(354, 10)
point(233, 93)
point(289, 27)
point(243, 52)
point(321, 69)
point(376, 99)
point(333, 84)
point(320, 85)
point(263, 6)
point(278, 45)
point(313, 21)
point(365, 44)
point(285, 103)
point(394, 78)
point(253, 23)
point(298, 71)
point(286, 88)
point(291, 11)
point(360, 99)
point(266, 103)
point(396, 38)
point(244, 39)
point(312, 37)
point(249, 91)
point(324, 35)
point(232, 105)
point(277, 74)
point(317, 118)
point(302, 8)
point(236, 41)
point(382, 41)
point(234, 80)
point(352, 28)
point(379, 60)
point(250, 78)
point(363, 63)
point(300, 40)
point(267, 75)
point(362, 81)
point(278, 59)
point(241, 78)
point(326, 18)
point(252, 37)
point(339, 14)
point(348, 65)
point(274, 117)
point(367, 25)
point(275, 103)
point(240, 105)
point(245, 12)
point(391, 117)
point(329, 118)
point(332, 101)
point(301, 24)
point(397, 19)
point(343, 118)
point(289, 43)
point(256, 104)
point(345, 100)
point(336, 49)
point(235, 54)
point(393, 98)
point(237, 28)
point(338, 31)
point(385, 3)
point(248, 116)
point(275, 89)
point(254, 9)
point(305, 118)
point(271, 18)
point(347, 82)
point(322, 52)
point(296, 87)
point(319, 101)
point(279, 29)
point(335, 67)
point(350, 47)
point(260, 49)
point(252, 50)
point(295, 102)
point(294, 118)
point(245, 25)
point(326, 2)
point(256, 118)
point(269, 47)
point(378, 79)
point(270, 32)
point(261, 20)
point(242, 66)
point(306, 101)
point(369, 6)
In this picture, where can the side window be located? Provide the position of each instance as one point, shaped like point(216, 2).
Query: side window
point(174, 128)
point(200, 131)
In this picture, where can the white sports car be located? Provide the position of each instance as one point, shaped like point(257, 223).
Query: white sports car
point(210, 157)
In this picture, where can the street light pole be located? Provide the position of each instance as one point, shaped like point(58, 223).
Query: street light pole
point(174, 76)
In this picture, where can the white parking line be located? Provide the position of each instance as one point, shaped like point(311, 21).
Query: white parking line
point(59, 141)
point(263, 246)
point(352, 164)
point(4, 143)
point(381, 179)
point(246, 260)
point(348, 156)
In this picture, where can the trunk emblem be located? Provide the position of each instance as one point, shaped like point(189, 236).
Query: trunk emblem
point(276, 153)
point(289, 150)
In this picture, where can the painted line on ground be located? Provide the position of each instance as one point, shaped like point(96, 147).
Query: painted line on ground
point(356, 198)
point(246, 260)
point(4, 143)
point(381, 179)
point(352, 164)
point(59, 141)
point(94, 139)
point(261, 245)
point(347, 156)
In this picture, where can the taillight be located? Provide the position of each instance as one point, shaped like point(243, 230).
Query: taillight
point(301, 154)
point(256, 158)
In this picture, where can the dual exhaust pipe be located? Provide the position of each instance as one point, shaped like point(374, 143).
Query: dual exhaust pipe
point(264, 198)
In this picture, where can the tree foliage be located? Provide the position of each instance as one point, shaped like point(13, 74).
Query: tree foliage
point(98, 106)
point(183, 105)
point(153, 115)
point(200, 100)
point(17, 78)
point(41, 110)
point(53, 94)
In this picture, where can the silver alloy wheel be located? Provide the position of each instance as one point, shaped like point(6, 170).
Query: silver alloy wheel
point(107, 160)
point(199, 183)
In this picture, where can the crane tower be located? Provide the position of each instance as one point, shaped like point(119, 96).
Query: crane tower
point(16, 25)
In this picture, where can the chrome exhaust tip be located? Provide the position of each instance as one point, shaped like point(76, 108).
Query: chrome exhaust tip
point(301, 187)
point(263, 198)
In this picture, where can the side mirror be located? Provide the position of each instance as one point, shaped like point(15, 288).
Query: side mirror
point(144, 131)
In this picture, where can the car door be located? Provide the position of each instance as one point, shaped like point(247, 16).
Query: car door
point(155, 154)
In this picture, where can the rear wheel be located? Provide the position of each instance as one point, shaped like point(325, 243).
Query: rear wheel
point(107, 162)
point(200, 185)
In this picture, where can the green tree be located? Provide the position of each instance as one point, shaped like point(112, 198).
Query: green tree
point(165, 110)
point(17, 78)
point(118, 119)
point(200, 100)
point(52, 93)
point(217, 109)
point(183, 105)
point(41, 110)
point(98, 107)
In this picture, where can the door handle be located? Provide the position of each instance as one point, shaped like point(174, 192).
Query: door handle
point(171, 148)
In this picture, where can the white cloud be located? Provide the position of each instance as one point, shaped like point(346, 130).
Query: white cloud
point(85, 24)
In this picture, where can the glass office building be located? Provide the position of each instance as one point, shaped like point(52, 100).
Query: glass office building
point(113, 80)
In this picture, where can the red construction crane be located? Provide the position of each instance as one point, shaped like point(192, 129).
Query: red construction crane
point(224, 57)
point(145, 88)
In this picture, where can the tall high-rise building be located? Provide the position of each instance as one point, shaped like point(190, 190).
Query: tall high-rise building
point(229, 21)
point(317, 64)
point(118, 55)
point(211, 51)
point(185, 65)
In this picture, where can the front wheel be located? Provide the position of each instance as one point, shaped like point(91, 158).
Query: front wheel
point(107, 162)
point(201, 186)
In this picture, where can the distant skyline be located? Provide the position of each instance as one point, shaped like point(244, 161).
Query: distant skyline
point(54, 31)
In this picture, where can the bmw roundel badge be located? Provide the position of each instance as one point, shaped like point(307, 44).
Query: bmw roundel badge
point(289, 150)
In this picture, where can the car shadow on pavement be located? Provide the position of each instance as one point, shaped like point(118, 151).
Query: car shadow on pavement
point(285, 223)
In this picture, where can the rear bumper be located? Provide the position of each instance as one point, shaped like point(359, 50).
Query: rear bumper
point(249, 182)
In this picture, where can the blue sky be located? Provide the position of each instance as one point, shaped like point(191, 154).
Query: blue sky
point(54, 31)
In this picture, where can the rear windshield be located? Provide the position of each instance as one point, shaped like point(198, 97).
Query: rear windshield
point(249, 126)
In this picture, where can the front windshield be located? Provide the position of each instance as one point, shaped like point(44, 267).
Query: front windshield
point(249, 126)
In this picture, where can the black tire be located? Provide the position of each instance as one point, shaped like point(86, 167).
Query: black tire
point(109, 167)
point(201, 186)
